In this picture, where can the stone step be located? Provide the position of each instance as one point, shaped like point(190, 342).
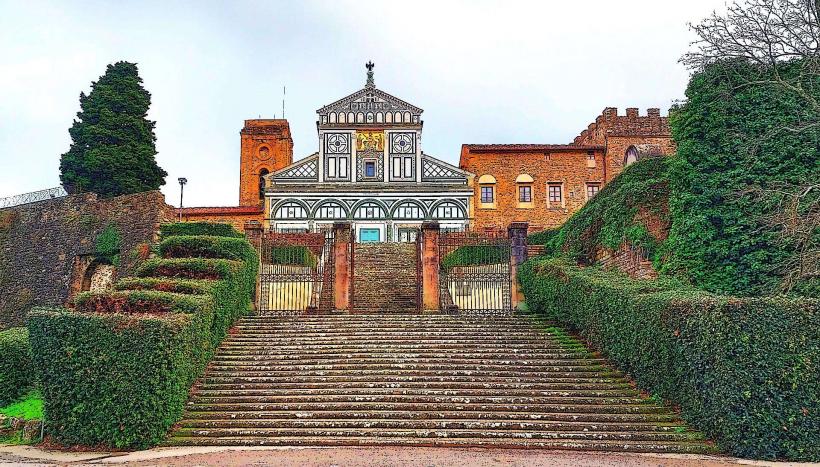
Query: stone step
point(347, 378)
point(426, 362)
point(438, 424)
point(498, 354)
point(467, 341)
point(544, 369)
point(442, 433)
point(268, 346)
point(640, 408)
point(662, 418)
point(577, 445)
point(208, 391)
point(370, 373)
point(214, 384)
point(482, 398)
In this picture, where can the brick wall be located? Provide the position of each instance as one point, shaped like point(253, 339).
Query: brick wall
point(628, 259)
point(266, 145)
point(237, 216)
point(45, 247)
point(564, 164)
point(607, 139)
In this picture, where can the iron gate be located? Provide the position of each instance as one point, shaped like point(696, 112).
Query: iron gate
point(297, 272)
point(475, 274)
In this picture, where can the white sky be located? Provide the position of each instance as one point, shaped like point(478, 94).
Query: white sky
point(483, 71)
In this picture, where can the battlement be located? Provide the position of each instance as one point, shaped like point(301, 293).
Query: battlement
point(609, 123)
point(268, 126)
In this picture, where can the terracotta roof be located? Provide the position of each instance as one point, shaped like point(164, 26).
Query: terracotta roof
point(226, 210)
point(529, 147)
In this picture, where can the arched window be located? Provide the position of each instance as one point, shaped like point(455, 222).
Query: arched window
point(262, 174)
point(407, 117)
point(370, 117)
point(342, 117)
point(486, 191)
point(331, 210)
point(350, 117)
point(360, 117)
point(408, 210)
point(332, 117)
point(379, 117)
point(448, 210)
point(388, 117)
point(398, 117)
point(631, 155)
point(291, 210)
point(369, 210)
point(523, 184)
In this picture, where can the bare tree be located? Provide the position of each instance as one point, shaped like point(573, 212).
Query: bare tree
point(767, 34)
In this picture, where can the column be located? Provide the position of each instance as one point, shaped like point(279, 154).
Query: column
point(343, 274)
point(430, 266)
point(517, 231)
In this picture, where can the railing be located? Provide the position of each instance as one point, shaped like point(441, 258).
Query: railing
point(33, 197)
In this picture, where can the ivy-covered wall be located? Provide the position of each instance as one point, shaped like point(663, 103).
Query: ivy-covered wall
point(44, 245)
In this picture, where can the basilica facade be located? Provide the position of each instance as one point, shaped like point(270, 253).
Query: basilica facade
point(370, 170)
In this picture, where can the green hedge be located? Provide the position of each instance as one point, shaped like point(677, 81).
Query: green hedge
point(743, 370)
point(198, 228)
point(16, 371)
point(117, 369)
point(206, 247)
point(292, 255)
point(475, 255)
point(117, 380)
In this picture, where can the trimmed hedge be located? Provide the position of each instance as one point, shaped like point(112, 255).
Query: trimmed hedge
point(117, 369)
point(292, 255)
point(16, 371)
point(198, 228)
point(743, 370)
point(475, 255)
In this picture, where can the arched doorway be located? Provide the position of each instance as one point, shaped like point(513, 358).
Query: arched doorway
point(262, 174)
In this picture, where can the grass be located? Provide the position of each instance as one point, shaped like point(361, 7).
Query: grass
point(28, 408)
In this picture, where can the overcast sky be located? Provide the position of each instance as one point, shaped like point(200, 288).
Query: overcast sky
point(484, 72)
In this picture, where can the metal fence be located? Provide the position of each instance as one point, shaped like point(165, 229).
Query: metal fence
point(33, 197)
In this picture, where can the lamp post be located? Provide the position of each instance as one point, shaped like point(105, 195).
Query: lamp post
point(182, 182)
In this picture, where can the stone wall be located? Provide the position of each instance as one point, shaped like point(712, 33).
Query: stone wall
point(628, 259)
point(47, 249)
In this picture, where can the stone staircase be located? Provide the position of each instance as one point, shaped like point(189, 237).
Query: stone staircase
point(384, 278)
point(429, 380)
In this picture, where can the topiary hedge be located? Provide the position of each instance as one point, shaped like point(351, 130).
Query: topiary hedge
point(475, 255)
point(117, 368)
point(743, 370)
point(198, 228)
point(16, 371)
point(292, 255)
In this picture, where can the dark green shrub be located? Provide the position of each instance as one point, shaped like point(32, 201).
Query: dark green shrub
point(475, 255)
point(117, 369)
point(117, 380)
point(291, 255)
point(16, 371)
point(738, 154)
point(743, 370)
point(190, 268)
point(107, 248)
point(161, 284)
point(206, 247)
point(198, 228)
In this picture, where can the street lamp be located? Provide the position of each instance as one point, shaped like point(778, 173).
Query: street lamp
point(182, 182)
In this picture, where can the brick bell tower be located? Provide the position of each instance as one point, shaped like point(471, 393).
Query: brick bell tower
point(266, 147)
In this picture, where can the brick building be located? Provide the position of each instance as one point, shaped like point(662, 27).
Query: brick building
point(543, 184)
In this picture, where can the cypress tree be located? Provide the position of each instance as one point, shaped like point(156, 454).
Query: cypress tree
point(113, 143)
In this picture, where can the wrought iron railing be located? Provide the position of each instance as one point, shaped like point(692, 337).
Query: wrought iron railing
point(33, 197)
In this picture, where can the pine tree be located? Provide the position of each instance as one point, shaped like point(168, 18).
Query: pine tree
point(113, 143)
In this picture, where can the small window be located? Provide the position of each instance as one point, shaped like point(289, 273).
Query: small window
point(555, 194)
point(331, 167)
point(525, 194)
point(487, 194)
point(591, 159)
point(343, 167)
point(592, 189)
point(408, 167)
point(370, 169)
point(397, 167)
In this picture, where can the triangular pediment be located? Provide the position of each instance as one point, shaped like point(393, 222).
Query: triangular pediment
point(370, 99)
point(306, 169)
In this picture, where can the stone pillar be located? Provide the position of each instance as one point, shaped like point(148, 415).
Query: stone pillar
point(517, 232)
point(253, 233)
point(430, 266)
point(343, 275)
